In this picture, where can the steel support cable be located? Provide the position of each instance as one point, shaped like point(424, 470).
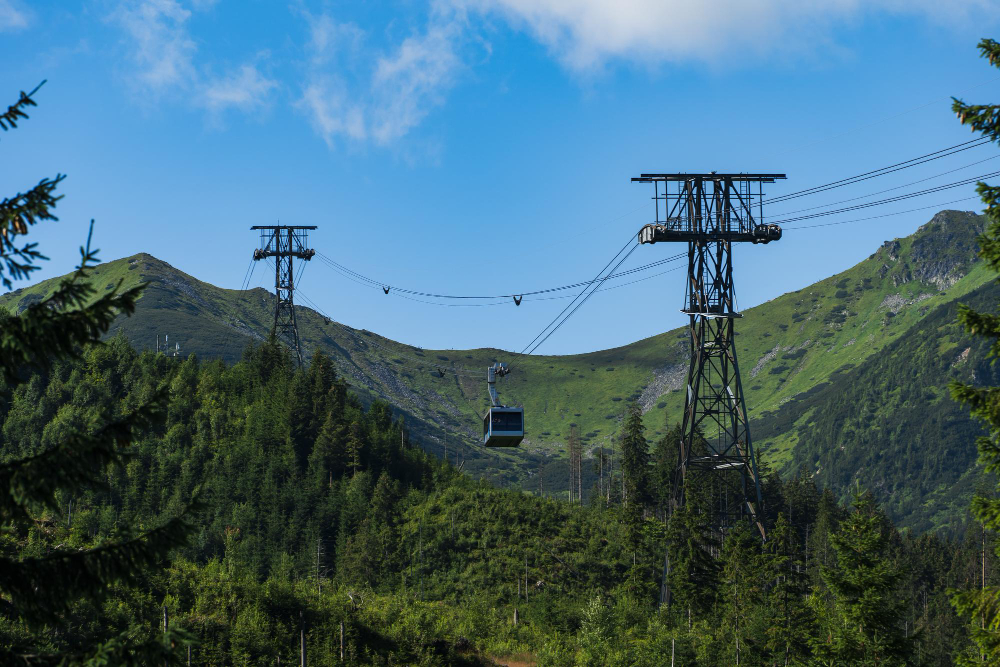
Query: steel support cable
point(583, 301)
point(884, 215)
point(599, 274)
point(547, 298)
point(302, 269)
point(851, 180)
point(377, 284)
point(555, 324)
point(354, 334)
point(244, 286)
point(462, 371)
point(889, 200)
point(410, 298)
point(611, 287)
point(879, 192)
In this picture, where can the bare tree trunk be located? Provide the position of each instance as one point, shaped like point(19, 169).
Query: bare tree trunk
point(302, 641)
point(601, 463)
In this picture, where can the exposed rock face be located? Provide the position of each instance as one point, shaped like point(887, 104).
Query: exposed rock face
point(944, 248)
point(668, 378)
point(896, 302)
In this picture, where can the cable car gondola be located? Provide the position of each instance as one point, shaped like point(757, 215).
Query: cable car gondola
point(503, 426)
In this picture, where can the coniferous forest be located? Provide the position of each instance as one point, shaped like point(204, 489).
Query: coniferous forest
point(316, 512)
point(168, 510)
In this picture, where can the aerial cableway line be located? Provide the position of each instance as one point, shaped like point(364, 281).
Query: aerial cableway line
point(710, 212)
point(285, 243)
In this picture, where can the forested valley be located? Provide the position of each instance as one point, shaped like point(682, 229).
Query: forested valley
point(261, 510)
point(316, 519)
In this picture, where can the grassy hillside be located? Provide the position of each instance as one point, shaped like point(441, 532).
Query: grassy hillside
point(790, 348)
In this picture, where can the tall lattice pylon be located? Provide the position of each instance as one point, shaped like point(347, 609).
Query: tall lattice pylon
point(711, 212)
point(284, 243)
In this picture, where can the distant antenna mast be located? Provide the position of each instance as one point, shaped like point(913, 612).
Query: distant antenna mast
point(284, 243)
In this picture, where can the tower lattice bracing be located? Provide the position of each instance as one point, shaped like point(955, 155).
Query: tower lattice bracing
point(285, 243)
point(711, 212)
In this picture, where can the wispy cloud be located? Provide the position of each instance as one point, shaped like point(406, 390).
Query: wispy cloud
point(246, 89)
point(163, 52)
point(328, 38)
point(160, 46)
point(12, 16)
point(383, 102)
point(411, 82)
point(586, 34)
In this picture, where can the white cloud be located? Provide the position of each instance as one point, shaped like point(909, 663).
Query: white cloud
point(409, 84)
point(331, 112)
point(385, 101)
point(245, 90)
point(327, 38)
point(162, 54)
point(12, 17)
point(161, 48)
point(584, 34)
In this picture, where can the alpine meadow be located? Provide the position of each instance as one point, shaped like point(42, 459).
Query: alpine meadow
point(351, 457)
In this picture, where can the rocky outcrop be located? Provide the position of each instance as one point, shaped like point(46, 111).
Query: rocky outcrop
point(944, 249)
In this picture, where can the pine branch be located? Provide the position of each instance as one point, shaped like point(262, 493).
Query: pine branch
point(15, 112)
point(55, 327)
point(17, 214)
point(983, 118)
point(24, 209)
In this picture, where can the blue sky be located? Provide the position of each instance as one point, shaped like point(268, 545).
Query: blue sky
point(480, 146)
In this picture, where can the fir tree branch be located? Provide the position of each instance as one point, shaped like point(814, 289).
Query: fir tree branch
point(15, 112)
point(24, 209)
point(55, 327)
point(17, 214)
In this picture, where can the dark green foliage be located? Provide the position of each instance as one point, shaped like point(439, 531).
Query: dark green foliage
point(20, 211)
point(422, 564)
point(665, 459)
point(635, 457)
point(982, 607)
point(41, 581)
point(865, 619)
point(889, 423)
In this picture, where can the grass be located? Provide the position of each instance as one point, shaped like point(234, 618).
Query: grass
point(815, 333)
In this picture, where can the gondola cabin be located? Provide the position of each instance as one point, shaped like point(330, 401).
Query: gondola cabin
point(503, 427)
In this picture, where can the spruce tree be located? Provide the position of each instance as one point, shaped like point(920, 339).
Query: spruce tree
point(635, 458)
point(791, 623)
point(694, 571)
point(866, 623)
point(982, 606)
point(743, 627)
point(665, 459)
point(39, 590)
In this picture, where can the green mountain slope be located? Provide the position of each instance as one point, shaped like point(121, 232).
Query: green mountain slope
point(827, 339)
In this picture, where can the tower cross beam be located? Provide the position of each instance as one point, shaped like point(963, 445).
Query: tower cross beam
point(710, 212)
point(285, 243)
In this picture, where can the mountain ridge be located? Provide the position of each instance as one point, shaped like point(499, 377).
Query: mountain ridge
point(792, 348)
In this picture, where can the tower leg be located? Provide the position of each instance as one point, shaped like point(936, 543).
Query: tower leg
point(716, 449)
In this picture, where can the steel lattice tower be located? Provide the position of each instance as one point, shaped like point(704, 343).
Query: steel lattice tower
point(284, 243)
point(710, 212)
